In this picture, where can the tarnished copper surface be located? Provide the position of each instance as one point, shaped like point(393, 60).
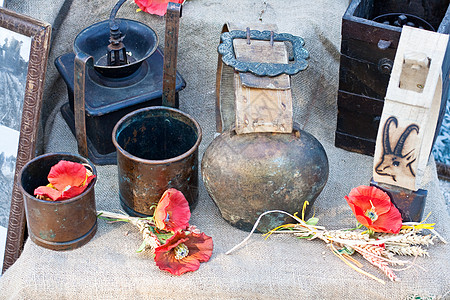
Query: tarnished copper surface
point(249, 174)
point(157, 149)
point(57, 225)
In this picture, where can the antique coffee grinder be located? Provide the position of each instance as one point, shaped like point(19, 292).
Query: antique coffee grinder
point(115, 69)
point(370, 36)
point(261, 160)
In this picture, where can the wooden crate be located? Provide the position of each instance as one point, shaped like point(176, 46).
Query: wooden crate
point(365, 66)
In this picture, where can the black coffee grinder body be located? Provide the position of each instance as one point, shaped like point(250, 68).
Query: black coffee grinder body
point(123, 72)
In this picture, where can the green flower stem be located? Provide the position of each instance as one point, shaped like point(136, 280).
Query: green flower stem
point(113, 220)
point(357, 227)
point(162, 237)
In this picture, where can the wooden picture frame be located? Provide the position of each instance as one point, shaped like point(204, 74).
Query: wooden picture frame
point(39, 34)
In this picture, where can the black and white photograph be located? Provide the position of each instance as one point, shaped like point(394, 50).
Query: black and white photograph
point(14, 57)
point(8, 147)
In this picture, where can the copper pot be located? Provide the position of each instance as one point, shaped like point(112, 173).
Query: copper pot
point(57, 225)
point(157, 149)
point(249, 174)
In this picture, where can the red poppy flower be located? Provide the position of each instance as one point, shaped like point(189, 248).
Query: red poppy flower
point(156, 7)
point(67, 179)
point(373, 208)
point(172, 212)
point(184, 252)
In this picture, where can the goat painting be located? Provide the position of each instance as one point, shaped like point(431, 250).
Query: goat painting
point(393, 162)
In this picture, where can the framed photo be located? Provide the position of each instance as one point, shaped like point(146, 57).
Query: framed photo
point(24, 46)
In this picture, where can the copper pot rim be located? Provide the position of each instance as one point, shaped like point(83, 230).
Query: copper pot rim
point(65, 201)
point(180, 157)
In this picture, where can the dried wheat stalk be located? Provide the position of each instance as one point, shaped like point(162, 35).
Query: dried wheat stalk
point(379, 249)
point(410, 237)
point(373, 254)
point(407, 250)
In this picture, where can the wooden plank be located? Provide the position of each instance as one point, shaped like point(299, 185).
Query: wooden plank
point(411, 109)
point(357, 124)
point(364, 51)
point(263, 104)
point(360, 103)
point(369, 31)
point(354, 143)
point(262, 110)
point(170, 54)
point(362, 77)
point(261, 51)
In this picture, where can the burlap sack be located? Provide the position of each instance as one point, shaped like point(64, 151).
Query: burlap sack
point(281, 267)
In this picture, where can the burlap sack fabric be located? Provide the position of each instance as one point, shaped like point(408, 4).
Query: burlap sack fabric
point(281, 267)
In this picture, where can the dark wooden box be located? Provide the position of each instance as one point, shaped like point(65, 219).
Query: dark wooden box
point(365, 65)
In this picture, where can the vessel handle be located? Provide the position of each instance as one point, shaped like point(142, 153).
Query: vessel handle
point(218, 108)
point(81, 65)
point(170, 54)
